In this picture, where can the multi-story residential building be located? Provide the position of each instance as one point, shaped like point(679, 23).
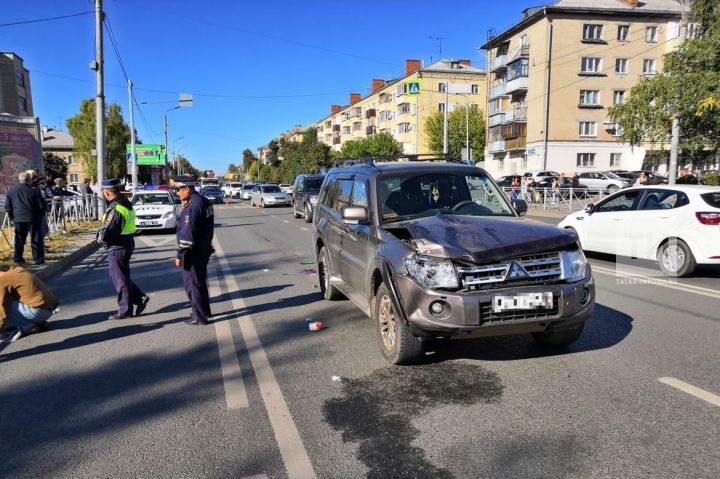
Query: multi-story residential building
point(60, 143)
point(391, 108)
point(555, 74)
point(15, 93)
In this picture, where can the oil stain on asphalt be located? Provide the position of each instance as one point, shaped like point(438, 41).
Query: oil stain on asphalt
point(377, 412)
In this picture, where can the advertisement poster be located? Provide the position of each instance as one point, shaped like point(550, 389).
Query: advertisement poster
point(20, 150)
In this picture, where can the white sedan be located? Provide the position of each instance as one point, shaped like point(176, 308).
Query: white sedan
point(268, 195)
point(155, 209)
point(677, 225)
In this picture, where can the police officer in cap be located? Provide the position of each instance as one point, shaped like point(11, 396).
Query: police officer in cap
point(195, 229)
point(116, 234)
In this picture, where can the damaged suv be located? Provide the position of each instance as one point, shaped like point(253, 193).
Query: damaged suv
point(434, 249)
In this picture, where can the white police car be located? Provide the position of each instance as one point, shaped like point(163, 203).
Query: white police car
point(155, 210)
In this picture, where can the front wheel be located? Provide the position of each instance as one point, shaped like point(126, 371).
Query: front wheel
point(558, 339)
point(308, 214)
point(612, 189)
point(296, 215)
point(328, 291)
point(676, 259)
point(262, 203)
point(397, 343)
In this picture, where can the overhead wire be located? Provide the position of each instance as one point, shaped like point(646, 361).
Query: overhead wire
point(48, 19)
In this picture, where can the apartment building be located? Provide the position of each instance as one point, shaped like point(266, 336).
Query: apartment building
point(392, 108)
point(554, 75)
point(61, 143)
point(15, 94)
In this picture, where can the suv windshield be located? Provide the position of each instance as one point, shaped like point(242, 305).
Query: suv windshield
point(611, 175)
point(313, 183)
point(413, 195)
point(271, 189)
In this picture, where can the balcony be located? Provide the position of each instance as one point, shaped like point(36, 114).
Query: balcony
point(496, 119)
point(518, 143)
point(370, 113)
point(497, 146)
point(498, 63)
point(517, 84)
point(519, 114)
point(336, 128)
point(498, 90)
point(369, 130)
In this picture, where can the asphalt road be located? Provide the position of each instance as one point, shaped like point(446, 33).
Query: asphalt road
point(256, 394)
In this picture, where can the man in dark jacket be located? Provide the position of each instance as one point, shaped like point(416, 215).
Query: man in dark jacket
point(26, 208)
point(117, 235)
point(195, 230)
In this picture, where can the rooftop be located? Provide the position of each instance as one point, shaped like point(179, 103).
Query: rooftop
point(56, 139)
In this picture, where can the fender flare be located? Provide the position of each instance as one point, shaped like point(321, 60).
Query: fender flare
point(386, 273)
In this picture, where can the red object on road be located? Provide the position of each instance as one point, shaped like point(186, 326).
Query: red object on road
point(317, 326)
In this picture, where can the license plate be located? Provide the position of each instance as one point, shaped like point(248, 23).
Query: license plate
point(522, 301)
point(145, 223)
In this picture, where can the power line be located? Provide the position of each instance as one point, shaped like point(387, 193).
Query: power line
point(25, 22)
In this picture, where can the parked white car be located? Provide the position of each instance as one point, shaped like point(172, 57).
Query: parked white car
point(233, 189)
point(247, 191)
point(603, 180)
point(268, 195)
point(677, 225)
point(155, 209)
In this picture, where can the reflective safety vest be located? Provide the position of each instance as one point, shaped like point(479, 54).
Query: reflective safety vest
point(128, 215)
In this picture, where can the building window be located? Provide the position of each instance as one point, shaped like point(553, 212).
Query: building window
point(474, 89)
point(404, 127)
point(524, 41)
point(591, 65)
point(621, 66)
point(588, 128)
point(346, 130)
point(586, 159)
point(649, 66)
point(651, 34)
point(618, 97)
point(442, 87)
point(22, 103)
point(20, 78)
point(592, 32)
point(615, 159)
point(589, 97)
point(441, 107)
point(72, 160)
point(692, 30)
point(623, 33)
point(517, 69)
point(357, 126)
point(73, 178)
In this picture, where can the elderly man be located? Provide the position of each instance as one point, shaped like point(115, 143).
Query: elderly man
point(26, 303)
point(116, 234)
point(26, 208)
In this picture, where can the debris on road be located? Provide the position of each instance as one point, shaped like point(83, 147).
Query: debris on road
point(336, 378)
point(317, 326)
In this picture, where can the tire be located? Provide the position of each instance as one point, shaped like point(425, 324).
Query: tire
point(262, 203)
point(558, 339)
point(296, 215)
point(308, 214)
point(675, 259)
point(612, 189)
point(396, 341)
point(329, 292)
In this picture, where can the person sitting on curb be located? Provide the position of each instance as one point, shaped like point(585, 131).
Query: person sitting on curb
point(26, 304)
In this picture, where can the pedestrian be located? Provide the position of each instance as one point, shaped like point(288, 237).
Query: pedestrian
point(642, 180)
point(88, 197)
point(195, 230)
point(59, 190)
point(25, 206)
point(26, 304)
point(117, 235)
point(515, 187)
point(555, 188)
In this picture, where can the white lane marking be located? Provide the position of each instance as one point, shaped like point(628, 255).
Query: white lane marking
point(692, 390)
point(304, 229)
point(256, 476)
point(713, 293)
point(155, 242)
point(295, 457)
point(286, 221)
point(235, 394)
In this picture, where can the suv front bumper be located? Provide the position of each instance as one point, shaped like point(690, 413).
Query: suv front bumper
point(469, 312)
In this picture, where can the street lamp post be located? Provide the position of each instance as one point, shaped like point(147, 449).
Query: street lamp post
point(166, 133)
point(175, 164)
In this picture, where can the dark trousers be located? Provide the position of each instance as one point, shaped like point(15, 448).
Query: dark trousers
point(194, 274)
point(37, 240)
point(128, 293)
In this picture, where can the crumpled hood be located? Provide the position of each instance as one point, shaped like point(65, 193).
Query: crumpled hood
point(481, 239)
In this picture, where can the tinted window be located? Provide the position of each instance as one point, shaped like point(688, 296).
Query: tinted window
point(344, 191)
point(664, 200)
point(271, 189)
point(313, 183)
point(584, 175)
point(327, 194)
point(359, 194)
point(622, 202)
point(713, 199)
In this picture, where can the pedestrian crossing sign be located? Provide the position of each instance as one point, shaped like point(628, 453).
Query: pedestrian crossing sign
point(413, 88)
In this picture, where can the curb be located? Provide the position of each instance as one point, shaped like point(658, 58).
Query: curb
point(59, 265)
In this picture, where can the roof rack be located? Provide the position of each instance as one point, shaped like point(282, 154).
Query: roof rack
point(371, 160)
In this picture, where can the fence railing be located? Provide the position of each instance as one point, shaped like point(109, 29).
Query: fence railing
point(561, 200)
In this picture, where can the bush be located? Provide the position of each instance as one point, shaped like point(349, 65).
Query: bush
point(710, 178)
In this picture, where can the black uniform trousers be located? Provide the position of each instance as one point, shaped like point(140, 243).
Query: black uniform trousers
point(37, 240)
point(128, 293)
point(194, 274)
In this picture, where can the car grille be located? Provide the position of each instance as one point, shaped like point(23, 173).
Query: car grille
point(148, 217)
point(488, 315)
point(544, 267)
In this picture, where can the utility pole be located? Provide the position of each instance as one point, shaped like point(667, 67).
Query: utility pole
point(133, 156)
point(165, 131)
point(99, 99)
point(675, 132)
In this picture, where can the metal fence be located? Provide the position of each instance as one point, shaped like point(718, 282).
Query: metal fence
point(61, 213)
point(564, 200)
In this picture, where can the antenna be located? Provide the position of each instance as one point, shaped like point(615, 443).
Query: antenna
point(439, 44)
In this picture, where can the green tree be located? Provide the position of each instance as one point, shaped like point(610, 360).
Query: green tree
point(187, 168)
point(248, 158)
point(117, 135)
point(55, 166)
point(381, 144)
point(274, 155)
point(307, 156)
point(687, 88)
point(457, 131)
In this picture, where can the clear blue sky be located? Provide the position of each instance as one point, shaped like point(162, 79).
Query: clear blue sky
point(256, 68)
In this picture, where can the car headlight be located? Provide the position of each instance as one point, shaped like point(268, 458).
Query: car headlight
point(313, 200)
point(432, 272)
point(574, 265)
point(168, 214)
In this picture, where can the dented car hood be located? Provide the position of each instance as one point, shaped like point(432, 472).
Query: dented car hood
point(479, 239)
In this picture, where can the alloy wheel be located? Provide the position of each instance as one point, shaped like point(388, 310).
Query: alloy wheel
point(673, 258)
point(386, 317)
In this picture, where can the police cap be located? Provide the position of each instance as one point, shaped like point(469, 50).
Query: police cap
point(111, 183)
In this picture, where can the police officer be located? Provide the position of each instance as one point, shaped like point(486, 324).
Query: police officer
point(116, 234)
point(195, 231)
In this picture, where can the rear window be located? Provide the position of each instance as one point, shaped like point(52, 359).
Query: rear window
point(271, 189)
point(713, 199)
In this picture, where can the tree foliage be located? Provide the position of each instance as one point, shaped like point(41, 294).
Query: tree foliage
point(187, 168)
point(307, 156)
point(55, 166)
point(381, 144)
point(248, 159)
point(117, 135)
point(274, 155)
point(457, 131)
point(688, 88)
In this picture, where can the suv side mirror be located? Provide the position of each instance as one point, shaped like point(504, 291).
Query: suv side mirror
point(590, 209)
point(520, 206)
point(354, 215)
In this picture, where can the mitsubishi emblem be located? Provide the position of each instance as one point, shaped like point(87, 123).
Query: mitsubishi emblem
point(516, 271)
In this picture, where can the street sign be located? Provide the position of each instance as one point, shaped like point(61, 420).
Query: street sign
point(147, 154)
point(413, 88)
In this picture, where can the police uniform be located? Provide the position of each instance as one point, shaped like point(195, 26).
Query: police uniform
point(195, 230)
point(116, 234)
